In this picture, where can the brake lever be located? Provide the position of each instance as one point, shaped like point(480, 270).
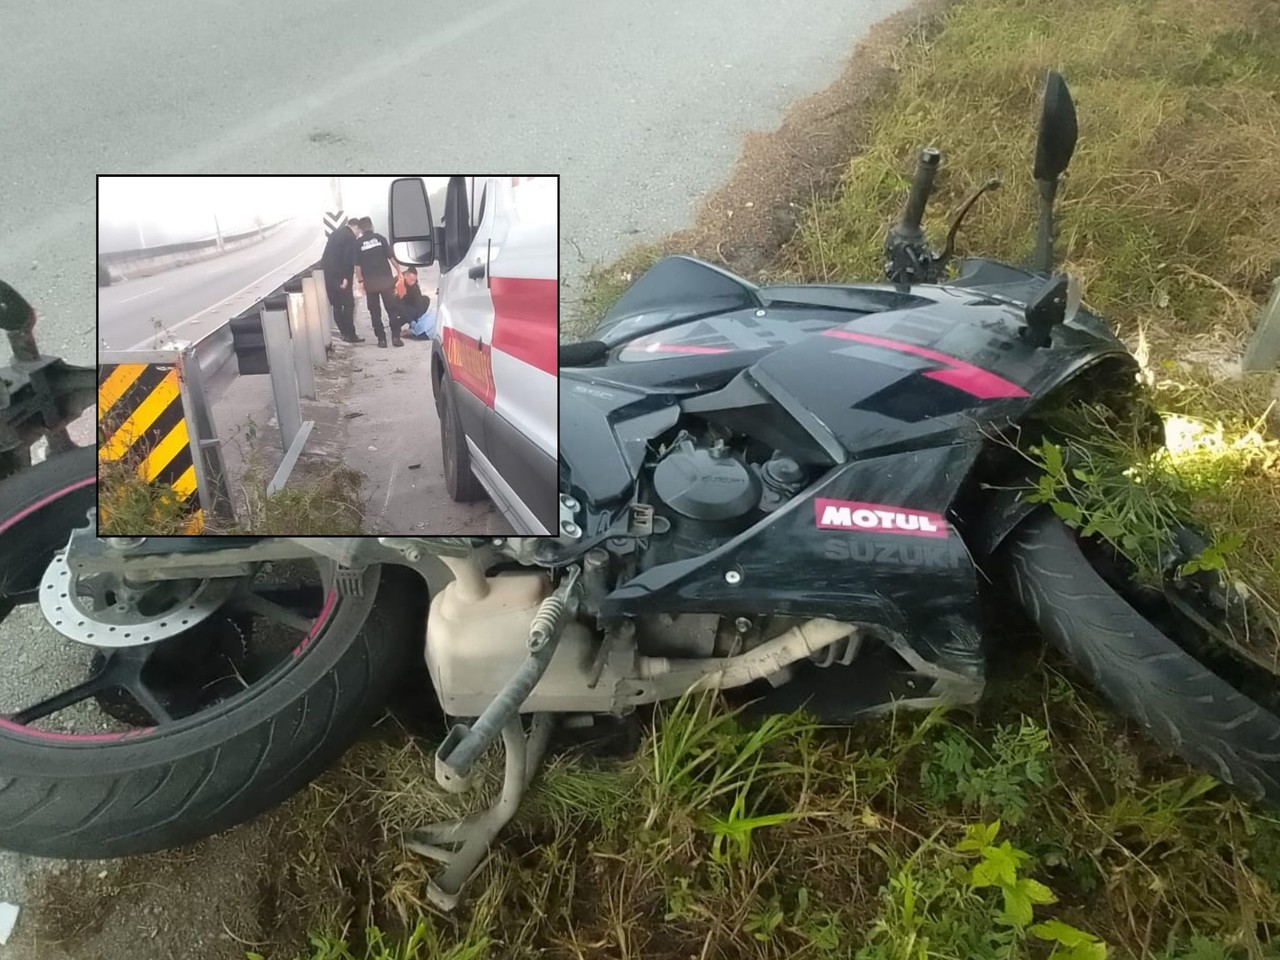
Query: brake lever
point(949, 247)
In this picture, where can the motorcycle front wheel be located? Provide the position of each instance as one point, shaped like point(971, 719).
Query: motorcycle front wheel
point(127, 745)
point(1176, 696)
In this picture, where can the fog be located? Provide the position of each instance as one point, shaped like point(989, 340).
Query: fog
point(139, 212)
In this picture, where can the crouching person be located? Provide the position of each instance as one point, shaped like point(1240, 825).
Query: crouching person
point(415, 307)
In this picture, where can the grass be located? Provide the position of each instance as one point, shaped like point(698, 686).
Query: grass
point(319, 500)
point(1039, 828)
point(1043, 826)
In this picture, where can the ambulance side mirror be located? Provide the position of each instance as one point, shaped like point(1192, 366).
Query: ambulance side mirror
point(411, 228)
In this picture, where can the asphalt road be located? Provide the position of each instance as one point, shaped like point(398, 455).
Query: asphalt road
point(189, 302)
point(641, 107)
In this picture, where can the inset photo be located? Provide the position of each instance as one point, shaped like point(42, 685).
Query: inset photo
point(328, 356)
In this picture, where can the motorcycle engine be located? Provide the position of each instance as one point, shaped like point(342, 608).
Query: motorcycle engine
point(709, 490)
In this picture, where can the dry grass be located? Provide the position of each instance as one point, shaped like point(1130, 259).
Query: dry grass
point(1172, 203)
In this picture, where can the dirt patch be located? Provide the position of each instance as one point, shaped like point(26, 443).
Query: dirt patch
point(742, 224)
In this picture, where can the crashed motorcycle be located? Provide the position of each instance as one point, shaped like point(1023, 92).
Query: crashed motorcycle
point(795, 492)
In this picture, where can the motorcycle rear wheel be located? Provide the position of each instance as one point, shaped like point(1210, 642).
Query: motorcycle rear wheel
point(1181, 703)
point(109, 795)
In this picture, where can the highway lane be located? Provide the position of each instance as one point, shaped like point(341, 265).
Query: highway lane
point(191, 301)
point(642, 106)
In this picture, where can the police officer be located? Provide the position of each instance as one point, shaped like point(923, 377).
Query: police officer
point(338, 262)
point(377, 270)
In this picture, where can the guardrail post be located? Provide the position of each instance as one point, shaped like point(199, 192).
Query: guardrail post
point(326, 308)
point(315, 325)
point(284, 376)
point(1263, 352)
point(211, 472)
point(301, 347)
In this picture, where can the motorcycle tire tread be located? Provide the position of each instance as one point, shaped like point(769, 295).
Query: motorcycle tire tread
point(1146, 675)
point(103, 801)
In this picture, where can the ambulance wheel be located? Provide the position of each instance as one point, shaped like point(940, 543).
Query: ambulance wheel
point(459, 479)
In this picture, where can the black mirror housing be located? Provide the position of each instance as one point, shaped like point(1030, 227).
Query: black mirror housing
point(411, 228)
point(1056, 141)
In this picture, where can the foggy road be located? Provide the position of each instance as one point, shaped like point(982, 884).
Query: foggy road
point(191, 301)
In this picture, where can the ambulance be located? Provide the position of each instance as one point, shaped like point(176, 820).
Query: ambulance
point(494, 371)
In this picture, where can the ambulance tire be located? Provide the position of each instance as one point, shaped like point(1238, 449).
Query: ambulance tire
point(459, 479)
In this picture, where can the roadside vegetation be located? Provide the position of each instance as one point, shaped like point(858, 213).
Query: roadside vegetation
point(1042, 825)
point(320, 500)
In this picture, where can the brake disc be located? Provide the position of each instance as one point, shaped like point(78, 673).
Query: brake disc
point(102, 611)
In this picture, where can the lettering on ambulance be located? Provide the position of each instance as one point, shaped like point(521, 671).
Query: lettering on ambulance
point(878, 518)
point(469, 364)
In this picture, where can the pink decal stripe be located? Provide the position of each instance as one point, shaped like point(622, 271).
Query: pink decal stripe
point(963, 376)
point(45, 501)
point(878, 518)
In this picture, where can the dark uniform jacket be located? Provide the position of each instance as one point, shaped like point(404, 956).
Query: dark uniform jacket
point(339, 259)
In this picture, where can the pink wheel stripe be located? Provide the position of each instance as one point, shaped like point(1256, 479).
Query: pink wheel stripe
point(320, 621)
point(44, 502)
point(128, 734)
point(76, 737)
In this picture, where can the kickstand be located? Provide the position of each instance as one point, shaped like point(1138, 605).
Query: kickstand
point(463, 843)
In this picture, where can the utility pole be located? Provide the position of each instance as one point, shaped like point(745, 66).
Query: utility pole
point(218, 230)
point(142, 243)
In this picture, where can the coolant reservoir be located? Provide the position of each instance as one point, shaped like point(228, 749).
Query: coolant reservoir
point(475, 646)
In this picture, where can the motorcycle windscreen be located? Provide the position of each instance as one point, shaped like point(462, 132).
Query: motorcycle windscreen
point(674, 290)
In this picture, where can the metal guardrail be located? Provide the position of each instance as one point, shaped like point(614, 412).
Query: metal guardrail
point(121, 256)
point(284, 335)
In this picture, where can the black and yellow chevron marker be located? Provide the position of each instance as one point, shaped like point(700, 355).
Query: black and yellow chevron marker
point(141, 423)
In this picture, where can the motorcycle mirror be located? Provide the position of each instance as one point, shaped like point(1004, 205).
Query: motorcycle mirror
point(1047, 310)
point(1056, 141)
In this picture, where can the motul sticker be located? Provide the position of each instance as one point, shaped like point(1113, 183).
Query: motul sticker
point(878, 518)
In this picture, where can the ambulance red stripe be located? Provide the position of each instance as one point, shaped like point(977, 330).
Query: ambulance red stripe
point(526, 320)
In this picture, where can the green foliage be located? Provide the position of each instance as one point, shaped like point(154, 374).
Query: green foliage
point(938, 903)
point(1003, 779)
point(702, 757)
point(424, 943)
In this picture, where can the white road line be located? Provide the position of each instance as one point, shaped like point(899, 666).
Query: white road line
point(141, 295)
point(148, 341)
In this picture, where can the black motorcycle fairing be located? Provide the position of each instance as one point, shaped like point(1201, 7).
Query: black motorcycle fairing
point(674, 290)
point(753, 406)
point(811, 558)
point(1014, 285)
point(605, 431)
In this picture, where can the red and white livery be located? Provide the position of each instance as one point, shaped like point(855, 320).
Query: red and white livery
point(494, 364)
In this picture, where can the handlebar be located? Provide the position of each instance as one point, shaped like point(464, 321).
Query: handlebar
point(921, 187)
